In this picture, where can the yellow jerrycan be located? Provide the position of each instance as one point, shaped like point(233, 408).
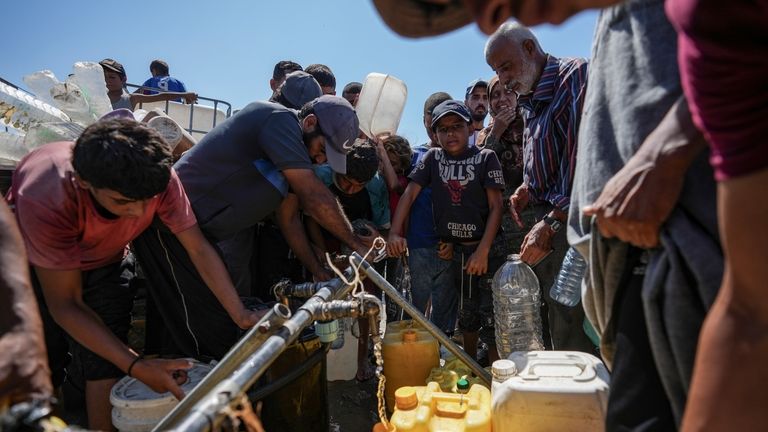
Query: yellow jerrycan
point(410, 352)
point(428, 409)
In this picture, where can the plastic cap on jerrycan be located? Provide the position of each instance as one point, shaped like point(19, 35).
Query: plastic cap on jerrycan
point(410, 352)
point(381, 104)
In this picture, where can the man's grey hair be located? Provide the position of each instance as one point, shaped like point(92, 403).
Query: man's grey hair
point(511, 31)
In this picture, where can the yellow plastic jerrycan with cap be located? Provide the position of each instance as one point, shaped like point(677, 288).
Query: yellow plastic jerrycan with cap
point(410, 352)
point(428, 409)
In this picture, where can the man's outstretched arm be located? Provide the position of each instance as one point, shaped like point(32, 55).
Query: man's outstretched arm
point(318, 202)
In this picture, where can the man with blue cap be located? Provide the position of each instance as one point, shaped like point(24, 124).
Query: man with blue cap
point(476, 100)
point(254, 164)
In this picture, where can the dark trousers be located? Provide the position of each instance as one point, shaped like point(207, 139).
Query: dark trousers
point(183, 315)
point(562, 325)
point(106, 290)
point(637, 401)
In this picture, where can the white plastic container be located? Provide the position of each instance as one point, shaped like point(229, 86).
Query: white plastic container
point(381, 104)
point(70, 98)
point(89, 76)
point(202, 119)
point(342, 363)
point(540, 391)
point(136, 408)
point(45, 133)
point(12, 148)
point(40, 84)
point(20, 110)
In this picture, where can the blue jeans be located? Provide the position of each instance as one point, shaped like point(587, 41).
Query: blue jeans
point(432, 277)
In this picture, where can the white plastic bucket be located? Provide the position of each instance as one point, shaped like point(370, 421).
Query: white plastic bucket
point(381, 104)
point(137, 408)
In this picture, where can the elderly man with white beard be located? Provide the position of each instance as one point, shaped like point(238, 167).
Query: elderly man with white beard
point(550, 95)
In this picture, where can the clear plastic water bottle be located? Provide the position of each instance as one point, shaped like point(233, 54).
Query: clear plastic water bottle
point(516, 307)
point(89, 76)
point(567, 287)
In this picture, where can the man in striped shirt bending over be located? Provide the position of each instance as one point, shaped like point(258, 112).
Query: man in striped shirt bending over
point(551, 95)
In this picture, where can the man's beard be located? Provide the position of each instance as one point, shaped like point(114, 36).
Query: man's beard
point(476, 116)
point(307, 137)
point(528, 80)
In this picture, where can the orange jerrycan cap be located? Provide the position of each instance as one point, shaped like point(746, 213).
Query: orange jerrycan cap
point(405, 398)
point(410, 336)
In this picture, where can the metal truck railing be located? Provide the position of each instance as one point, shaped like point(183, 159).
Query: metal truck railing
point(197, 119)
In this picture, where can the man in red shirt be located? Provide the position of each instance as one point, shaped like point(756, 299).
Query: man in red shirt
point(78, 206)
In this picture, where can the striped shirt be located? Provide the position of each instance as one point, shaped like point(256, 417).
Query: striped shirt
point(552, 113)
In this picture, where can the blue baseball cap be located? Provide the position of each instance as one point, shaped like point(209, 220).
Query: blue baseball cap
point(450, 107)
point(474, 84)
point(299, 88)
point(339, 123)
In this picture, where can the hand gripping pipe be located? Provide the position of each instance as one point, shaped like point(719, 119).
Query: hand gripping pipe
point(417, 316)
point(236, 355)
point(235, 377)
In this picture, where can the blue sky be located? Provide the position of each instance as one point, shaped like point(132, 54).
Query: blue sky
point(226, 49)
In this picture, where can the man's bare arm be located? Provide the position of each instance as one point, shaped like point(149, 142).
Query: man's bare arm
point(24, 372)
point(213, 271)
point(318, 202)
point(640, 197)
point(289, 221)
point(62, 290)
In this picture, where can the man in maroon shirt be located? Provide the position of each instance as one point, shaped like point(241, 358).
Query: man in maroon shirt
point(78, 206)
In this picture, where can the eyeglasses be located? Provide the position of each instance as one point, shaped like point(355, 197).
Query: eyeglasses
point(445, 130)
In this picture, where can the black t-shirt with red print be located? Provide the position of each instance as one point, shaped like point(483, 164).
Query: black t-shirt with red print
point(459, 198)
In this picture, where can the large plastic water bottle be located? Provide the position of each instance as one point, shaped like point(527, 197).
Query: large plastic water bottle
point(40, 84)
point(567, 287)
point(89, 76)
point(516, 303)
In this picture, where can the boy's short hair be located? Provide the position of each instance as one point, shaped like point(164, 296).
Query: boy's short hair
point(283, 68)
point(362, 161)
point(354, 87)
point(160, 66)
point(125, 156)
point(322, 74)
point(434, 100)
point(400, 147)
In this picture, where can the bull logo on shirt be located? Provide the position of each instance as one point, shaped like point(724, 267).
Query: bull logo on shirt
point(455, 189)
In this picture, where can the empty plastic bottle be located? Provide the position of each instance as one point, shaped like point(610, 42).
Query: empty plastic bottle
point(89, 76)
point(516, 303)
point(567, 287)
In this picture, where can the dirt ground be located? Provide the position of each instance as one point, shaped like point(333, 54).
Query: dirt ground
point(352, 405)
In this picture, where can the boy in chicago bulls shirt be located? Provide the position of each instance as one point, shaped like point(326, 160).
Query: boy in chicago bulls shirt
point(466, 197)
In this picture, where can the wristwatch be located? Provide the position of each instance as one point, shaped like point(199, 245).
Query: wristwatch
point(553, 223)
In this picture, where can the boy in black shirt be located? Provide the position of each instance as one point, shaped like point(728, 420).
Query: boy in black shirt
point(466, 196)
point(363, 196)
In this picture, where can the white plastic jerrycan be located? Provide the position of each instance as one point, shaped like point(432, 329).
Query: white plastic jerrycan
point(381, 104)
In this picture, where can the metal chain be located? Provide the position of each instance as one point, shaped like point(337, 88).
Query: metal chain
point(379, 246)
point(377, 352)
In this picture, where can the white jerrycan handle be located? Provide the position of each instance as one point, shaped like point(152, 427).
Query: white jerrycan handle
point(569, 361)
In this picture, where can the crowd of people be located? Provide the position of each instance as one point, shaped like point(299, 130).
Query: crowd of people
point(638, 158)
